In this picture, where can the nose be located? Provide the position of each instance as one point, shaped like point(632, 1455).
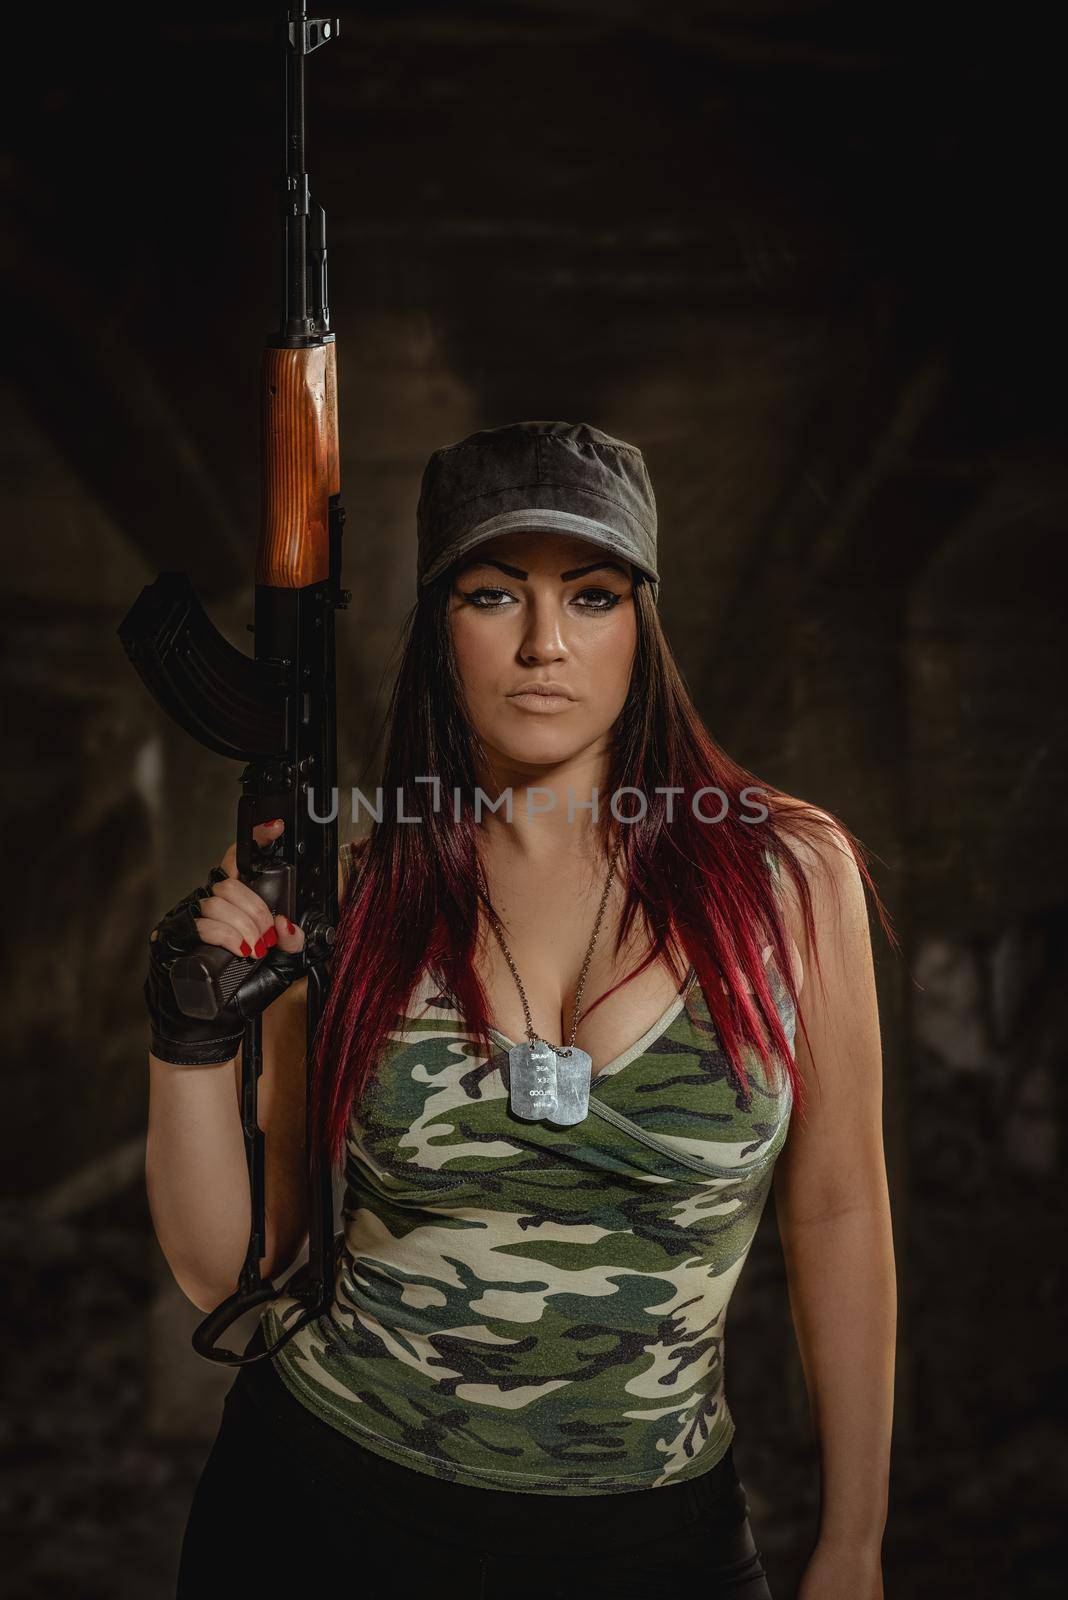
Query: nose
point(543, 636)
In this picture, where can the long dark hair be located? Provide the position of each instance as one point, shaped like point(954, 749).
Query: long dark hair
point(411, 900)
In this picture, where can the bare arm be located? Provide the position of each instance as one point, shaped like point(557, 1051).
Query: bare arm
point(833, 1210)
point(195, 1170)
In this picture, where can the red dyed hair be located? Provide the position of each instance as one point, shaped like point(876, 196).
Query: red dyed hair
point(411, 899)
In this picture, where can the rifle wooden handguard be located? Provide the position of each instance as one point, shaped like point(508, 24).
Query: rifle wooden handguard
point(301, 467)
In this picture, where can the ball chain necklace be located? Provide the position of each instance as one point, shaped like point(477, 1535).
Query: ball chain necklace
point(550, 1083)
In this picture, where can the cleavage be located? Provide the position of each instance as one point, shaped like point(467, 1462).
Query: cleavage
point(626, 1016)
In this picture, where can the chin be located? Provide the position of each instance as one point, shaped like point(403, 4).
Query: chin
point(541, 746)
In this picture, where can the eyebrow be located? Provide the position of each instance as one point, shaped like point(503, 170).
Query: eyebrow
point(573, 572)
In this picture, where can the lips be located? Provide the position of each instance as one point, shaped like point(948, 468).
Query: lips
point(537, 703)
point(546, 690)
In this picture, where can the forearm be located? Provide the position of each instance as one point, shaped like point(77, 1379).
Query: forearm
point(196, 1177)
point(843, 1299)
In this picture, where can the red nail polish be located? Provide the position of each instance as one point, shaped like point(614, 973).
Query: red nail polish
point(259, 948)
point(270, 938)
point(290, 927)
point(246, 948)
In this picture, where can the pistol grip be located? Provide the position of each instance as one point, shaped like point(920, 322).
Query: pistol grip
point(206, 979)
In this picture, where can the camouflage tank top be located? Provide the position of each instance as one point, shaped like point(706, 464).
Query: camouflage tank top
point(542, 1309)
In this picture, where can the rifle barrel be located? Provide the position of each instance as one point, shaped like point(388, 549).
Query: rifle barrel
point(305, 313)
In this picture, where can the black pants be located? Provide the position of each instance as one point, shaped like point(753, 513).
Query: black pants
point(286, 1498)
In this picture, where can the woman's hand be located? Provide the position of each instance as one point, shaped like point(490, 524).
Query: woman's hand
point(842, 1572)
point(228, 913)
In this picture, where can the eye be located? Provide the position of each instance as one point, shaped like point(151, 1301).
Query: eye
point(476, 598)
point(597, 599)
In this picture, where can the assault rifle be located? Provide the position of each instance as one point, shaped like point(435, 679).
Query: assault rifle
point(276, 710)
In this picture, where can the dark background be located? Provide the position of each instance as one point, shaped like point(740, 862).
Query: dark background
point(805, 256)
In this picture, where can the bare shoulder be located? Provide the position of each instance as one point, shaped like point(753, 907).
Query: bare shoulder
point(823, 849)
point(826, 860)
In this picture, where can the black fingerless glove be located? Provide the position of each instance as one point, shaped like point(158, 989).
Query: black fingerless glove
point(192, 1041)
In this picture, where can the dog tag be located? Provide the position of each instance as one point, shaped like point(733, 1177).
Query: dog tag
point(573, 1078)
point(532, 1079)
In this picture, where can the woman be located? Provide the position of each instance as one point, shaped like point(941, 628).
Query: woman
point(518, 1389)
